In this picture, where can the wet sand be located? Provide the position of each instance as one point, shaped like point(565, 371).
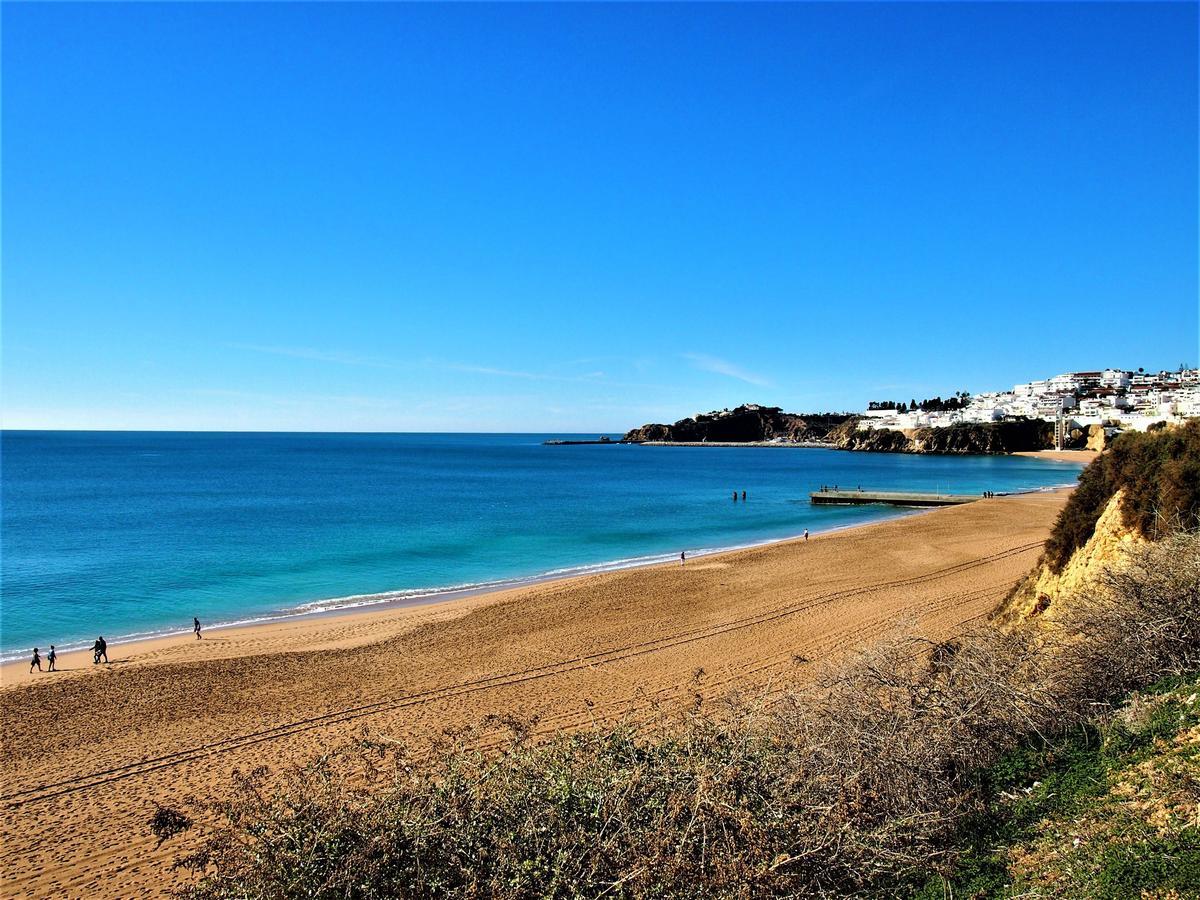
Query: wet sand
point(88, 752)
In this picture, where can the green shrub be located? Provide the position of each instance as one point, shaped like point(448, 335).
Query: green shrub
point(1159, 473)
point(860, 784)
point(1154, 866)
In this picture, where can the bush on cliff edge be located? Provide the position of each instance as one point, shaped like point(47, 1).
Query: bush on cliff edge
point(854, 786)
point(1159, 473)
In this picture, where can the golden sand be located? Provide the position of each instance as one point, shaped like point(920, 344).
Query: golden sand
point(88, 751)
point(1083, 457)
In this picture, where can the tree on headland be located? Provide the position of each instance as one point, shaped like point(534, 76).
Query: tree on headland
point(929, 404)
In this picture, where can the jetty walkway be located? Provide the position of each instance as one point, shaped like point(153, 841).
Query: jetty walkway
point(895, 498)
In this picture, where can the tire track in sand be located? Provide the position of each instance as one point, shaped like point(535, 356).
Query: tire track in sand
point(50, 790)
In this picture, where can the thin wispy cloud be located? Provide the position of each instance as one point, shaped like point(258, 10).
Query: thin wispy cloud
point(342, 358)
point(706, 363)
point(528, 376)
point(332, 356)
point(294, 399)
point(490, 370)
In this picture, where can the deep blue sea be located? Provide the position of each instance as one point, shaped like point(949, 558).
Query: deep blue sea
point(131, 534)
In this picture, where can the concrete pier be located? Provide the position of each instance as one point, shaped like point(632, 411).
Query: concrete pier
point(895, 498)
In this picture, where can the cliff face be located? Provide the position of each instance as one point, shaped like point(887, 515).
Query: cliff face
point(1037, 597)
point(769, 423)
point(993, 437)
point(1144, 487)
point(742, 425)
point(1096, 438)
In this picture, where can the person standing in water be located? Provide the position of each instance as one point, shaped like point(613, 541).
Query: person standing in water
point(735, 496)
point(743, 496)
point(50, 658)
point(196, 627)
point(36, 661)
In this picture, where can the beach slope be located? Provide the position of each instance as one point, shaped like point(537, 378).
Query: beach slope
point(88, 752)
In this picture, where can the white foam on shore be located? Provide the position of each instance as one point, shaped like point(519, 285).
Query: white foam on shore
point(421, 596)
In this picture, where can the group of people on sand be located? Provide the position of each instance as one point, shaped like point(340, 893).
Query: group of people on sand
point(51, 659)
point(99, 652)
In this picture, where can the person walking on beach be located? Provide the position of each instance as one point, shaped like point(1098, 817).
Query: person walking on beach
point(682, 557)
point(806, 534)
point(36, 661)
point(99, 649)
point(50, 658)
point(196, 627)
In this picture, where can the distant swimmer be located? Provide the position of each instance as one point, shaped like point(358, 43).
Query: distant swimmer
point(36, 661)
point(196, 627)
point(682, 557)
point(806, 534)
point(51, 657)
point(735, 496)
point(99, 649)
point(743, 495)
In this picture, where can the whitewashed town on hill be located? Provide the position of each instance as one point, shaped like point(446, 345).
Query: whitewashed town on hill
point(1113, 398)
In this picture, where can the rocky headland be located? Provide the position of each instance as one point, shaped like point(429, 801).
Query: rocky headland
point(744, 425)
point(753, 424)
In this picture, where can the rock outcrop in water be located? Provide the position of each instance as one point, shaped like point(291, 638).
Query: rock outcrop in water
point(745, 424)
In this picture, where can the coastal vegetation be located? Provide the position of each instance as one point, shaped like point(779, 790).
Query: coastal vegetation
point(929, 404)
point(1158, 475)
point(913, 769)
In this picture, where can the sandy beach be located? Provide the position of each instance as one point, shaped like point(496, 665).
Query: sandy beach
point(88, 752)
point(1083, 457)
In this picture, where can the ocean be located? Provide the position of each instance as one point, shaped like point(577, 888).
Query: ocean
point(131, 534)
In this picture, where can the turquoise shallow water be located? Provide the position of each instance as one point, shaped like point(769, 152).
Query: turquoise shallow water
point(134, 533)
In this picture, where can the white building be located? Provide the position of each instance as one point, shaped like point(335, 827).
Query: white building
point(1115, 378)
point(1134, 400)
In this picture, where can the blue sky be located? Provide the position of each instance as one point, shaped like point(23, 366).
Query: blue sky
point(575, 218)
